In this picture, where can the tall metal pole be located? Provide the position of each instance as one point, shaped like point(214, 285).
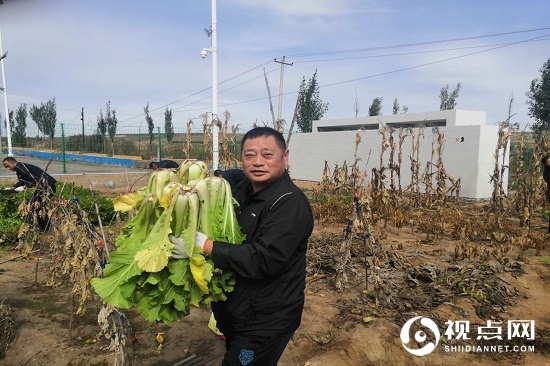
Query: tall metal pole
point(8, 125)
point(214, 51)
point(82, 119)
point(63, 148)
point(159, 150)
point(280, 111)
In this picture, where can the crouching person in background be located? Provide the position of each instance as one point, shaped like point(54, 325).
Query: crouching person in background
point(31, 176)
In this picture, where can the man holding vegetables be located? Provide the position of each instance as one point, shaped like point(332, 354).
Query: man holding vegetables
point(265, 308)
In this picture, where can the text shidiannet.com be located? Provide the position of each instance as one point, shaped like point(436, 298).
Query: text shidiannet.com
point(521, 332)
point(488, 349)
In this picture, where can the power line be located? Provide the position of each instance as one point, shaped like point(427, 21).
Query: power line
point(412, 53)
point(414, 44)
point(201, 91)
point(224, 90)
point(388, 72)
point(433, 63)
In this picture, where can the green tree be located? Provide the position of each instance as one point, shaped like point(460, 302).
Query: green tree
point(395, 106)
point(168, 126)
point(45, 118)
point(101, 129)
point(12, 124)
point(375, 108)
point(111, 123)
point(150, 126)
point(539, 100)
point(20, 129)
point(448, 101)
point(311, 107)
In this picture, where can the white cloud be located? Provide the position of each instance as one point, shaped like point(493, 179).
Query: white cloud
point(312, 8)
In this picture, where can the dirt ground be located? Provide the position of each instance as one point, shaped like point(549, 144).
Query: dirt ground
point(333, 330)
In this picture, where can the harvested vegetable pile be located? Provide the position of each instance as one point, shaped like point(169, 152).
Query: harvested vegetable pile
point(142, 272)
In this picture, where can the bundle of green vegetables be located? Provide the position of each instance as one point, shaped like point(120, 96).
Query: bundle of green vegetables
point(142, 272)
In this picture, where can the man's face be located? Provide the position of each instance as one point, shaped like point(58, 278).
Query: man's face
point(8, 165)
point(263, 161)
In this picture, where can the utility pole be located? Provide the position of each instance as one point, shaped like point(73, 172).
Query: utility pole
point(280, 111)
point(8, 125)
point(214, 51)
point(82, 119)
point(213, 34)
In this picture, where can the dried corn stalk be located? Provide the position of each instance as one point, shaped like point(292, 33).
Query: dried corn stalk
point(187, 149)
point(326, 178)
point(207, 139)
point(235, 150)
point(414, 186)
point(226, 157)
point(391, 165)
point(505, 131)
point(428, 173)
point(402, 137)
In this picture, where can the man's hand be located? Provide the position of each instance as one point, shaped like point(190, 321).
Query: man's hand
point(20, 189)
point(180, 247)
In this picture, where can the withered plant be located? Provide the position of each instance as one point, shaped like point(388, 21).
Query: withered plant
point(188, 144)
point(207, 139)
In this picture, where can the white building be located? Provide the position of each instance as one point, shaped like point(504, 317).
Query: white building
point(468, 152)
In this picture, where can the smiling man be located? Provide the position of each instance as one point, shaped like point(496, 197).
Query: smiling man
point(265, 308)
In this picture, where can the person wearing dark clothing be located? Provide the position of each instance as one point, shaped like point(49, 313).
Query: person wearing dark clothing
point(163, 164)
point(30, 176)
point(546, 174)
point(265, 308)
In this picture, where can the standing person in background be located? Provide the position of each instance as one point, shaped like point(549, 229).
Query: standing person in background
point(546, 174)
point(163, 164)
point(265, 308)
point(30, 176)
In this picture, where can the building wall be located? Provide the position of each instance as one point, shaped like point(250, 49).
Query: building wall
point(468, 152)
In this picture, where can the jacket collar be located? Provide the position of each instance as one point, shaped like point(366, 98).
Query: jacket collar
point(268, 191)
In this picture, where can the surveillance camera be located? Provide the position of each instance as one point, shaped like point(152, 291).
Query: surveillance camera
point(204, 53)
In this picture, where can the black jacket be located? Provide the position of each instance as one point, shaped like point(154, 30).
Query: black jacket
point(270, 267)
point(236, 179)
point(30, 175)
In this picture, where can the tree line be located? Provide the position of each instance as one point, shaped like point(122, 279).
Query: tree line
point(309, 107)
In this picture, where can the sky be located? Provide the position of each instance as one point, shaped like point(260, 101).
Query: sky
point(84, 53)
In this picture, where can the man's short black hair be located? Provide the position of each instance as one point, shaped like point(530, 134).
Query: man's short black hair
point(265, 132)
point(10, 159)
point(152, 164)
point(218, 173)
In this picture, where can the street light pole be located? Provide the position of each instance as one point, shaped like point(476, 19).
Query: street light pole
point(8, 125)
point(214, 51)
point(213, 33)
